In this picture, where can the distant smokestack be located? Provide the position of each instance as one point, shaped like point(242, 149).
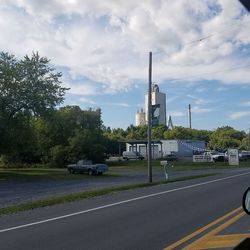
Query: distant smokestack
point(189, 115)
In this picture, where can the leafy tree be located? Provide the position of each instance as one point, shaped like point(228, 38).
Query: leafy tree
point(226, 137)
point(158, 132)
point(178, 133)
point(59, 156)
point(28, 88)
point(86, 144)
point(113, 139)
point(245, 143)
point(70, 131)
point(136, 133)
point(187, 133)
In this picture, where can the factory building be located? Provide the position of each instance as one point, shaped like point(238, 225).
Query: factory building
point(140, 118)
point(162, 148)
point(159, 99)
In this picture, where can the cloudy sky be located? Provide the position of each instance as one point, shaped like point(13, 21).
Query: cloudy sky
point(201, 54)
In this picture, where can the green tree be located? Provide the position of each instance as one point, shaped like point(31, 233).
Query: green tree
point(136, 133)
point(69, 129)
point(86, 144)
point(178, 133)
point(226, 137)
point(187, 133)
point(158, 132)
point(113, 139)
point(29, 88)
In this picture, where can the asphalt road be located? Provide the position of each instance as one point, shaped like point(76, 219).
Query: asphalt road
point(14, 192)
point(149, 218)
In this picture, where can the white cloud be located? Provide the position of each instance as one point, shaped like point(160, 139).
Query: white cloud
point(176, 113)
point(246, 104)
point(201, 90)
point(171, 99)
point(221, 89)
point(198, 101)
point(239, 115)
point(200, 110)
point(122, 104)
point(108, 41)
point(81, 89)
point(87, 101)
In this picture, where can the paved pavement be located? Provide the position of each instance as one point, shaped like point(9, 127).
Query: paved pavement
point(231, 231)
point(14, 192)
point(148, 218)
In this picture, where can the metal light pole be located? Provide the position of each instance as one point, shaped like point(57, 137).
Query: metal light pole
point(149, 118)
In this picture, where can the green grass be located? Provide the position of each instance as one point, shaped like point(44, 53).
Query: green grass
point(87, 194)
point(36, 174)
point(177, 165)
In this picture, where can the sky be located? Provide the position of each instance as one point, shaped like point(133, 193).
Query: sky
point(201, 54)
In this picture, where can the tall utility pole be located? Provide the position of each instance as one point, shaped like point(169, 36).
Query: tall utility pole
point(149, 118)
point(189, 115)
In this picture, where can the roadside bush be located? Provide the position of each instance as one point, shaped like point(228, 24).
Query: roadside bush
point(58, 156)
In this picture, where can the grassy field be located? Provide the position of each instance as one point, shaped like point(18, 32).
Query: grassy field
point(115, 169)
point(176, 165)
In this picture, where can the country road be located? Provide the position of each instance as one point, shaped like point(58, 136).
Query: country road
point(13, 192)
point(148, 218)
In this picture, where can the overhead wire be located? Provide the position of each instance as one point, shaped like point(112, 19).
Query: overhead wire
point(188, 43)
point(212, 73)
point(206, 73)
point(197, 40)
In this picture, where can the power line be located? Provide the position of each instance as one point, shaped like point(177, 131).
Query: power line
point(197, 40)
point(185, 44)
point(212, 73)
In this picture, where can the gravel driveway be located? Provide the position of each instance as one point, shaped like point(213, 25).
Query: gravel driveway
point(14, 192)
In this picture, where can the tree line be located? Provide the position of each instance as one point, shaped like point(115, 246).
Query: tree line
point(220, 139)
point(34, 130)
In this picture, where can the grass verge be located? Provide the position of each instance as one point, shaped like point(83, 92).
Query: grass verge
point(88, 194)
point(178, 165)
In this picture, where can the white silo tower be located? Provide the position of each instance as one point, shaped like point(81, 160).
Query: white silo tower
point(157, 98)
point(140, 118)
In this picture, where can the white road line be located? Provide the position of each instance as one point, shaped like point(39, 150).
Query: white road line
point(119, 203)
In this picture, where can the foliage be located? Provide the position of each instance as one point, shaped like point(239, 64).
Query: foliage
point(158, 132)
point(137, 133)
point(86, 144)
point(58, 155)
point(29, 88)
point(187, 133)
point(32, 130)
point(70, 134)
point(226, 137)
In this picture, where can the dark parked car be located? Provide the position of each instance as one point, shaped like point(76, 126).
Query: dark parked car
point(171, 157)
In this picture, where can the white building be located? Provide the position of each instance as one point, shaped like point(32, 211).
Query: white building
point(157, 98)
point(161, 148)
point(140, 118)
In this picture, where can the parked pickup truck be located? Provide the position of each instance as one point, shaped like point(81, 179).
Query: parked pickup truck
point(215, 156)
point(83, 166)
